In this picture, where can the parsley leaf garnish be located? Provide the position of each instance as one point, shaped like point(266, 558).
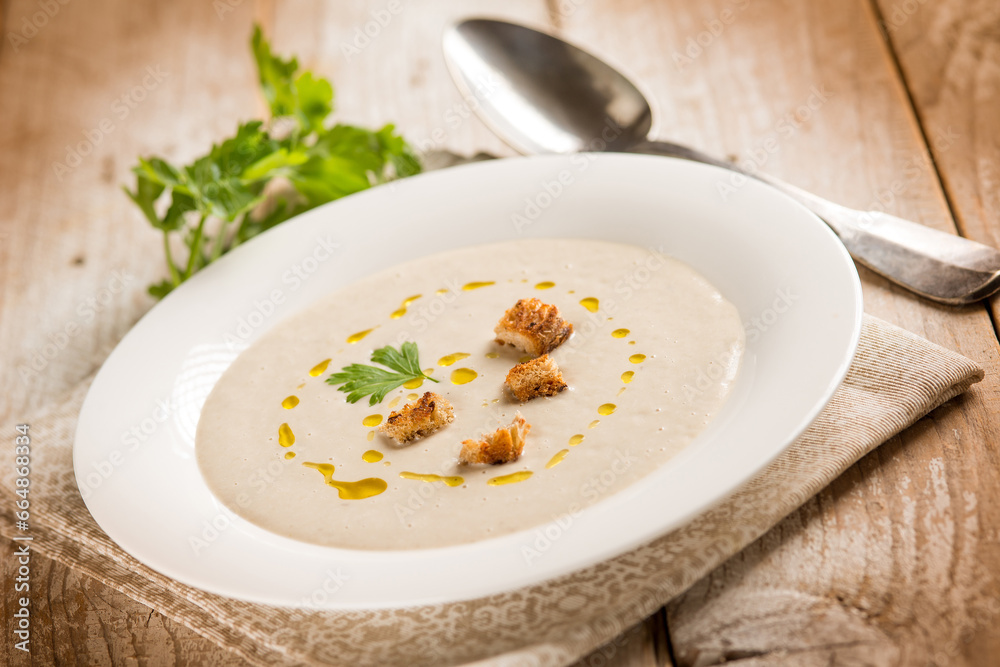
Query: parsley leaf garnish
point(358, 380)
point(266, 173)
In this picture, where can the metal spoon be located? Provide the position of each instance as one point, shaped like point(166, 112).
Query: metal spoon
point(543, 95)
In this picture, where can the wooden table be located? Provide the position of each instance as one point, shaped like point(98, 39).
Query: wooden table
point(892, 104)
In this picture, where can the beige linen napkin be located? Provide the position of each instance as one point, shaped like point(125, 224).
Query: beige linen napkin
point(895, 379)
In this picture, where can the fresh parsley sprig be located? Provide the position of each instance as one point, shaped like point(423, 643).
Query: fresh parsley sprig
point(265, 174)
point(358, 380)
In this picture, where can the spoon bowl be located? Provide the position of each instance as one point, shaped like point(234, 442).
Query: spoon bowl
point(541, 94)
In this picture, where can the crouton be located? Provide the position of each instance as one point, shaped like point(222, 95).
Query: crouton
point(533, 326)
point(538, 377)
point(502, 446)
point(419, 419)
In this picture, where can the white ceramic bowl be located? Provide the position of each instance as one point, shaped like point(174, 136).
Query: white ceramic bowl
point(794, 285)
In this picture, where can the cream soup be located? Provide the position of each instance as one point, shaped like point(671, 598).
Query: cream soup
point(654, 352)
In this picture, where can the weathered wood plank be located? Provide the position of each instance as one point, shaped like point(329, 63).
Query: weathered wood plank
point(113, 80)
point(949, 54)
point(76, 620)
point(643, 645)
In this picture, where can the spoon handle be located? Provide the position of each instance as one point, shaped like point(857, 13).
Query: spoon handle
point(936, 265)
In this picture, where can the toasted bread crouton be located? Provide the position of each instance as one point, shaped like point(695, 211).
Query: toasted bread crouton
point(502, 446)
point(533, 326)
point(419, 419)
point(538, 377)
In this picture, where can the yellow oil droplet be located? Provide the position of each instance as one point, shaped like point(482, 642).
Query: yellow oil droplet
point(622, 390)
point(575, 439)
point(325, 468)
point(548, 284)
point(637, 358)
point(301, 385)
point(285, 436)
point(450, 481)
point(449, 359)
point(412, 397)
point(364, 488)
point(318, 369)
point(290, 402)
point(471, 286)
point(359, 490)
point(463, 375)
point(372, 420)
point(512, 478)
point(399, 312)
point(627, 376)
point(557, 459)
point(354, 338)
point(289, 455)
point(606, 409)
point(441, 291)
point(372, 456)
point(631, 342)
point(492, 355)
point(370, 436)
point(428, 371)
point(394, 402)
point(413, 384)
point(620, 333)
point(525, 359)
point(590, 303)
point(594, 423)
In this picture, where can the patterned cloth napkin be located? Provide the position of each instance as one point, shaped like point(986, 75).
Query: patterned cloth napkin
point(895, 379)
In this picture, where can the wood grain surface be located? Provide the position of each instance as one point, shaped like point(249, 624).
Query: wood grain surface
point(889, 104)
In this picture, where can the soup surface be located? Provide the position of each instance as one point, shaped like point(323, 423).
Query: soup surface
point(654, 352)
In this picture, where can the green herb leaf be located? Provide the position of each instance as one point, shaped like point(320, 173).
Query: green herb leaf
point(275, 75)
point(314, 101)
point(174, 219)
point(358, 380)
point(146, 193)
point(160, 289)
point(259, 177)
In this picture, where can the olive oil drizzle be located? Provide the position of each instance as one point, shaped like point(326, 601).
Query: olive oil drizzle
point(399, 312)
point(512, 478)
point(363, 488)
point(557, 459)
point(449, 359)
point(319, 368)
point(369, 487)
point(359, 336)
point(448, 481)
point(463, 375)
